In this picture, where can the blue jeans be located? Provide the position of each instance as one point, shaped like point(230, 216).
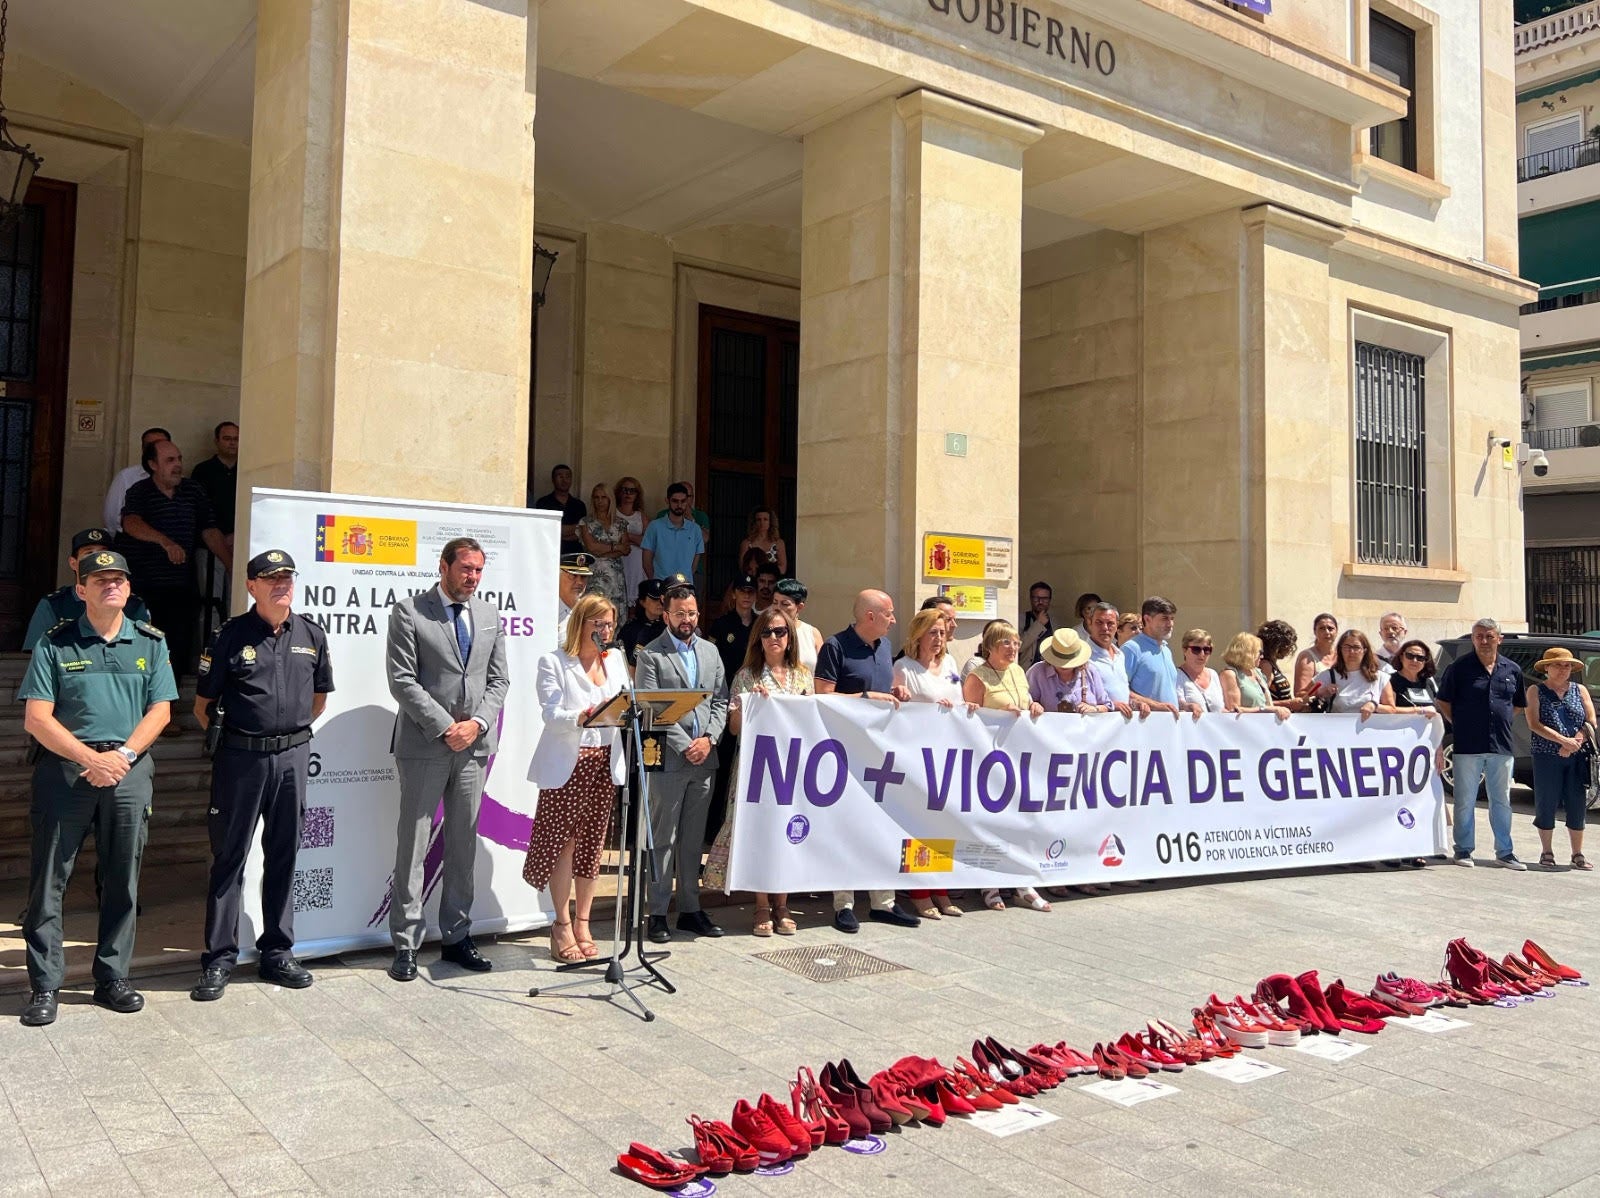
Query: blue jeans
point(1493, 769)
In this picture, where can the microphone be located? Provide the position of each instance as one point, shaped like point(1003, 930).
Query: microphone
point(599, 640)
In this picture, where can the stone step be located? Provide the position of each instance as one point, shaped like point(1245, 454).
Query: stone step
point(172, 844)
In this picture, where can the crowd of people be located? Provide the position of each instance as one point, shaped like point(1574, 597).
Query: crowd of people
point(1102, 662)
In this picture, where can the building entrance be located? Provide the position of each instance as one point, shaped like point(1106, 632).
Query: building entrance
point(747, 431)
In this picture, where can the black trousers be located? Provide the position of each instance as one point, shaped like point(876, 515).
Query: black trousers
point(246, 789)
point(64, 808)
point(176, 611)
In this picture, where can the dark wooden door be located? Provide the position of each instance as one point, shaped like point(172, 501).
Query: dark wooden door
point(748, 431)
point(35, 316)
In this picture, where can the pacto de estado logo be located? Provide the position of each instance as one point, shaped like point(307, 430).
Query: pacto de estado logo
point(1112, 851)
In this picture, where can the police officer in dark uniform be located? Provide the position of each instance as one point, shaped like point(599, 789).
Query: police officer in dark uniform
point(266, 678)
point(647, 622)
point(63, 602)
point(98, 692)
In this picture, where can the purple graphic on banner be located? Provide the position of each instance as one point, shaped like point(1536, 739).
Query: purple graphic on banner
point(497, 823)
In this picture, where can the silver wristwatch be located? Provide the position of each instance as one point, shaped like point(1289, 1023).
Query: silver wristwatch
point(128, 753)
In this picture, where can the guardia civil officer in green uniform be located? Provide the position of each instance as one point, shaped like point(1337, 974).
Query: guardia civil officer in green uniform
point(63, 602)
point(267, 678)
point(98, 692)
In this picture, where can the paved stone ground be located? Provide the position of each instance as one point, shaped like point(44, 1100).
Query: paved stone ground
point(458, 1084)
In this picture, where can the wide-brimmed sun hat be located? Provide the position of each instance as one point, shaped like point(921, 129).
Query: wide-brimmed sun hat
point(1558, 657)
point(1065, 649)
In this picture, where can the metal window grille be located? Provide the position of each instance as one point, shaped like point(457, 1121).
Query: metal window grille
point(16, 458)
point(1564, 590)
point(21, 246)
point(1391, 482)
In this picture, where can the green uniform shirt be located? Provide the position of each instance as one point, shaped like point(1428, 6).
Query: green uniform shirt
point(63, 604)
point(101, 689)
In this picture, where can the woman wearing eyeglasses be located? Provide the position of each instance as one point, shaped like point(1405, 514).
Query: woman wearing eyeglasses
point(630, 509)
point(1197, 681)
point(577, 770)
point(1413, 687)
point(771, 667)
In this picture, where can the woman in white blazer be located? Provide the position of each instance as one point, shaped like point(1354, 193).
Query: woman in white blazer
point(577, 770)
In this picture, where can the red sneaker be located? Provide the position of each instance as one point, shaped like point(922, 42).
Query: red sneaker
point(1236, 1023)
point(796, 1132)
point(1212, 1036)
point(1279, 1030)
point(767, 1139)
point(1408, 990)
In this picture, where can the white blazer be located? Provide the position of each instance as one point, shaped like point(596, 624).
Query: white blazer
point(565, 691)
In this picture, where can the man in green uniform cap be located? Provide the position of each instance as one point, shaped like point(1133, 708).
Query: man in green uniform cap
point(98, 691)
point(63, 602)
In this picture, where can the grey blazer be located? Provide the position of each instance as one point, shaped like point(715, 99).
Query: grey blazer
point(432, 685)
point(659, 668)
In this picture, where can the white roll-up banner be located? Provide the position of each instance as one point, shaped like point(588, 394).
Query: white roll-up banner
point(838, 793)
point(356, 558)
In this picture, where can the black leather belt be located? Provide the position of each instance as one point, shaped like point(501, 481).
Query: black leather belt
point(265, 744)
point(107, 746)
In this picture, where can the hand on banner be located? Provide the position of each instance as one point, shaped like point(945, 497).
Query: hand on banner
point(460, 735)
point(880, 697)
point(1283, 713)
point(901, 694)
point(1195, 709)
point(1367, 709)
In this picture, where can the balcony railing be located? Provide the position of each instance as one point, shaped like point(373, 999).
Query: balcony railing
point(1580, 436)
point(1562, 158)
point(1556, 27)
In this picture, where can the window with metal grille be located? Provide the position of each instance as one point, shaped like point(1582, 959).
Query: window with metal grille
point(1391, 482)
point(20, 248)
point(1394, 57)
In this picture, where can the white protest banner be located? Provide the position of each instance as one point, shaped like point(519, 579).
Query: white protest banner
point(356, 558)
point(836, 793)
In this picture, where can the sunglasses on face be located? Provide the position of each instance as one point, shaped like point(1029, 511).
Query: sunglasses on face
point(774, 634)
point(627, 490)
point(1202, 650)
point(1416, 657)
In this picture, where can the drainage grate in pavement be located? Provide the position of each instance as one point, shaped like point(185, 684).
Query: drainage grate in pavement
point(824, 964)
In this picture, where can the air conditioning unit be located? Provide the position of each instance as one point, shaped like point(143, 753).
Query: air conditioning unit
point(1589, 435)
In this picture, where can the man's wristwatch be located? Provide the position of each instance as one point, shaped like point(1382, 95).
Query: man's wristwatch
point(128, 753)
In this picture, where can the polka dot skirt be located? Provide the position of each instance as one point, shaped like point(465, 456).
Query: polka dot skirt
point(580, 811)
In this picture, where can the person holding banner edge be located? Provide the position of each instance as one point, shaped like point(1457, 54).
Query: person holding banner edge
point(447, 673)
point(577, 770)
point(267, 678)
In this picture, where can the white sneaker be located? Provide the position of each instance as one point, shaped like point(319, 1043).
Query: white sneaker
point(1467, 861)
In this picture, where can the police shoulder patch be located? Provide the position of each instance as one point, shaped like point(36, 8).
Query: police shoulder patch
point(150, 629)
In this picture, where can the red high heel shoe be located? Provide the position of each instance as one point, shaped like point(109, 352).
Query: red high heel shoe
point(1006, 1074)
point(1212, 1036)
point(968, 1090)
point(985, 1084)
point(1189, 1049)
point(1549, 964)
point(826, 1125)
point(714, 1156)
point(1043, 1074)
point(656, 1169)
point(723, 1140)
point(1148, 1055)
point(841, 1077)
point(1526, 969)
point(1109, 1069)
point(844, 1102)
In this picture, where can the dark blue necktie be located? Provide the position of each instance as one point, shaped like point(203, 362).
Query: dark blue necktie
point(463, 637)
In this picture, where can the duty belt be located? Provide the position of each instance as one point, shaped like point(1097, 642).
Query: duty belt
point(265, 744)
point(106, 746)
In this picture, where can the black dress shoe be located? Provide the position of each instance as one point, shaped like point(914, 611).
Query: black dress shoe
point(699, 923)
point(465, 954)
point(659, 934)
point(286, 972)
point(845, 920)
point(41, 1009)
point(119, 996)
point(404, 966)
point(891, 915)
point(213, 981)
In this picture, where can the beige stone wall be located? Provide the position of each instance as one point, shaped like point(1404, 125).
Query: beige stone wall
point(1080, 402)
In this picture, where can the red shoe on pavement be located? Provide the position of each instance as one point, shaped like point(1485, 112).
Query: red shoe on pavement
point(1150, 1055)
point(656, 1169)
point(984, 1083)
point(781, 1117)
point(1111, 1070)
point(1212, 1036)
point(1409, 990)
point(1236, 1023)
point(1279, 1030)
point(1191, 1050)
point(1549, 964)
point(763, 1135)
point(815, 1111)
point(717, 1157)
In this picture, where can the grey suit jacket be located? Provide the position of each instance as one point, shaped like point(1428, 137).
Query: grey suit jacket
point(659, 668)
point(432, 685)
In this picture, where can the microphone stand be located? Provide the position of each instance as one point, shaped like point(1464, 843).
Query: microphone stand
point(632, 864)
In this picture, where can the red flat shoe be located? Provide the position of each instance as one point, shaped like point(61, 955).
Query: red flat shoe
point(767, 1139)
point(1526, 969)
point(655, 1168)
point(1109, 1069)
point(1549, 964)
point(1129, 1064)
point(964, 1088)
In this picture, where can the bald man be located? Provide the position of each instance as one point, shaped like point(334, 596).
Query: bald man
point(858, 661)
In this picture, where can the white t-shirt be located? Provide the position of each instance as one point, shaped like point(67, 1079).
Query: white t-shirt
point(1209, 698)
point(112, 509)
point(1354, 690)
point(929, 686)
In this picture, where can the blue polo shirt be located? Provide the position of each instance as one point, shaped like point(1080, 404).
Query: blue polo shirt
point(853, 666)
point(675, 548)
point(1151, 670)
point(1482, 705)
point(1113, 671)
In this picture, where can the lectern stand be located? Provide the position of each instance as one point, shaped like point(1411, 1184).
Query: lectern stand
point(637, 713)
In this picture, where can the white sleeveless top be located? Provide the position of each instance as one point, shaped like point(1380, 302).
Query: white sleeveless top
point(808, 644)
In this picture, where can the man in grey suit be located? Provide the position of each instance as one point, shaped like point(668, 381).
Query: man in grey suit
point(680, 796)
point(447, 671)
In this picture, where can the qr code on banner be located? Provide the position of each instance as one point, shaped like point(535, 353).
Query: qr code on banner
point(317, 832)
point(313, 889)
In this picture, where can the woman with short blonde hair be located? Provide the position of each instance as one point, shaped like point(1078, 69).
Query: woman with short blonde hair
point(629, 493)
point(1244, 685)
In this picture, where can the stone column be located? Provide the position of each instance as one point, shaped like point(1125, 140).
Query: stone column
point(389, 283)
point(910, 290)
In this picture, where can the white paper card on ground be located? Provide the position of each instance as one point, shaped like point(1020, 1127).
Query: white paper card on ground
point(1021, 1116)
point(1329, 1049)
point(1433, 1023)
point(1240, 1069)
point(1129, 1091)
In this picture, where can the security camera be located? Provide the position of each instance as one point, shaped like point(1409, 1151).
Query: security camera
point(1539, 462)
point(1502, 442)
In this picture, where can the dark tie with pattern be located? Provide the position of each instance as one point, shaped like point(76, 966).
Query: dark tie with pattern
point(463, 637)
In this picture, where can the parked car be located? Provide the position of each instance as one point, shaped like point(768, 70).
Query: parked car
point(1524, 648)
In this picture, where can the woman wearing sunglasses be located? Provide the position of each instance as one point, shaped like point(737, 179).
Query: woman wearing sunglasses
point(771, 667)
point(1413, 686)
point(1198, 683)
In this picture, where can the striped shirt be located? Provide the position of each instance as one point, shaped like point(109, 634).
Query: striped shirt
point(183, 518)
